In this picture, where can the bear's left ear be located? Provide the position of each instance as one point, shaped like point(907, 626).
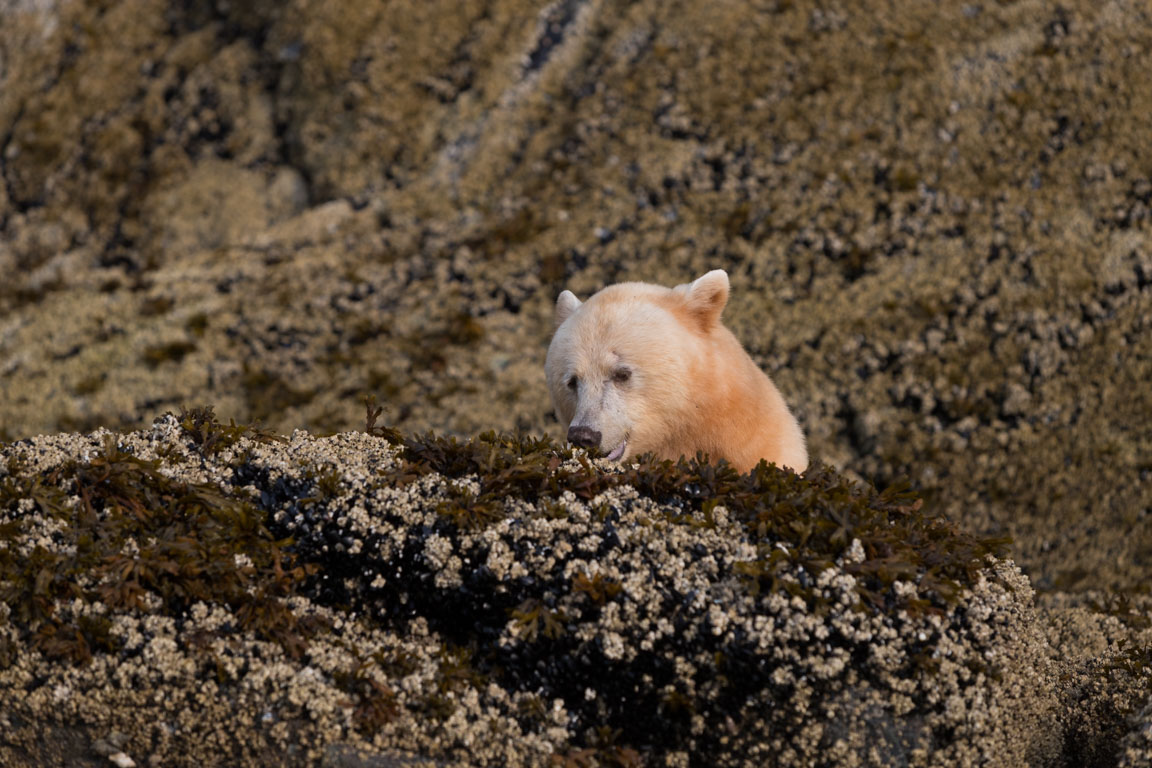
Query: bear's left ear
point(566, 304)
point(706, 296)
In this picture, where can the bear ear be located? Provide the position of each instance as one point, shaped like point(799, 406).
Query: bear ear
point(706, 296)
point(565, 306)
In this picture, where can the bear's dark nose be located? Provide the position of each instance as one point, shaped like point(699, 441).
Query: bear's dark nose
point(585, 437)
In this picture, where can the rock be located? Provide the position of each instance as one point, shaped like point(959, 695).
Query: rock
point(301, 233)
point(498, 601)
point(939, 217)
point(347, 756)
point(1136, 748)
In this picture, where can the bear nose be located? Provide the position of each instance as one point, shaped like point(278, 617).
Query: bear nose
point(585, 437)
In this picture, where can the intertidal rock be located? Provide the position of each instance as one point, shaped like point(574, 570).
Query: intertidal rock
point(219, 593)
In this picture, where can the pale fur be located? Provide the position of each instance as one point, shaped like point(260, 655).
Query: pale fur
point(692, 386)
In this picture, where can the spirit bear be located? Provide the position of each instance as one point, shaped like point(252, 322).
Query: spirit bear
point(640, 367)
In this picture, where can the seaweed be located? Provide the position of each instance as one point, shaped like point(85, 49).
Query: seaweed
point(599, 589)
point(210, 436)
point(816, 516)
point(135, 534)
point(372, 413)
point(373, 703)
point(76, 640)
point(535, 619)
point(467, 511)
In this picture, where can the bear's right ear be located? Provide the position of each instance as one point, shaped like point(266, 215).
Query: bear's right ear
point(706, 296)
point(565, 306)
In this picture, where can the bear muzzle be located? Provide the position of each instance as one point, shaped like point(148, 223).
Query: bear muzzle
point(589, 439)
point(585, 437)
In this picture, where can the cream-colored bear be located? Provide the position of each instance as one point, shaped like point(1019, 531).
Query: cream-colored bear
point(640, 367)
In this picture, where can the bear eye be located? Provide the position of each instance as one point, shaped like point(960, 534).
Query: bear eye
point(572, 382)
point(621, 375)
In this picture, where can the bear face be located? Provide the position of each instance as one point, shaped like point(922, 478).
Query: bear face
point(639, 368)
point(616, 374)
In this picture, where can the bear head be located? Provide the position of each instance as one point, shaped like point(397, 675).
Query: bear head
point(622, 365)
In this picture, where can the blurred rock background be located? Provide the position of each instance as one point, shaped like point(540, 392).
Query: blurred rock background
point(935, 219)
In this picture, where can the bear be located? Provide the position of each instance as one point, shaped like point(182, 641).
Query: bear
point(643, 368)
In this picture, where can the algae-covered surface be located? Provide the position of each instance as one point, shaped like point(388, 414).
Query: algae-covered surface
point(196, 594)
point(934, 217)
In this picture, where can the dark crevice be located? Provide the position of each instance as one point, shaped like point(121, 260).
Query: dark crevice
point(5, 142)
point(554, 24)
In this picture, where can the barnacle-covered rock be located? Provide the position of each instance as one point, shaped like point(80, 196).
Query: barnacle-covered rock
point(1136, 748)
point(498, 601)
point(935, 217)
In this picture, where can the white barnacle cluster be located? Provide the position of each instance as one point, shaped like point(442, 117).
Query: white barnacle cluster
point(438, 553)
point(501, 561)
point(576, 509)
point(40, 531)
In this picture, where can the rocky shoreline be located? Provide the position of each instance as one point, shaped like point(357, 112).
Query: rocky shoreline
point(935, 221)
point(201, 594)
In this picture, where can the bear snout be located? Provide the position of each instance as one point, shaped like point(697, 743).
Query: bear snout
point(585, 437)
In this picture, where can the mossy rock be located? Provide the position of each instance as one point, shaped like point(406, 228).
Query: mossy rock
point(498, 601)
